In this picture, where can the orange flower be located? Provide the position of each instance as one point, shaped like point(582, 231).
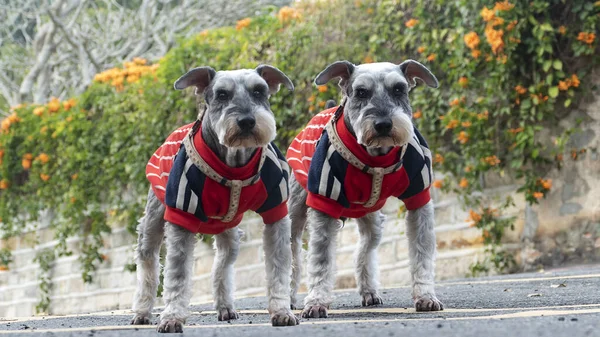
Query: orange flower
point(538, 195)
point(287, 14)
point(482, 116)
point(26, 163)
point(73, 200)
point(243, 23)
point(411, 23)
point(503, 6)
point(452, 124)
point(204, 33)
point(546, 184)
point(68, 104)
point(575, 80)
point(431, 57)
point(54, 105)
point(472, 40)
point(367, 59)
point(520, 89)
point(370, 10)
point(437, 183)
point(487, 14)
point(491, 160)
point(44, 177)
point(322, 88)
point(463, 137)
point(39, 111)
point(74, 176)
point(454, 102)
point(311, 98)
point(562, 30)
point(586, 37)
point(466, 124)
point(43, 130)
point(475, 53)
point(496, 22)
point(44, 158)
point(516, 130)
point(4, 184)
point(464, 183)
point(564, 85)
point(511, 25)
point(438, 159)
point(468, 168)
point(502, 59)
point(463, 81)
point(474, 216)
point(421, 49)
point(321, 104)
point(494, 38)
point(417, 114)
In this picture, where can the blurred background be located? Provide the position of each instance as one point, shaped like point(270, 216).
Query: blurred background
point(86, 97)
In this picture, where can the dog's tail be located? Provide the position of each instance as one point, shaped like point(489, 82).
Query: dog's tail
point(330, 104)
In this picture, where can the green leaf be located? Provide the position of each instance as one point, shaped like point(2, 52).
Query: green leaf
point(557, 65)
point(547, 65)
point(546, 27)
point(567, 103)
point(553, 92)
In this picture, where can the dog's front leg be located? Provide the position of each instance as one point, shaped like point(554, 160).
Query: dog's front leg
point(370, 228)
point(228, 247)
point(323, 231)
point(421, 251)
point(178, 274)
point(278, 261)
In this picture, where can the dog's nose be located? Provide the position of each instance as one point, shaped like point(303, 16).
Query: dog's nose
point(383, 126)
point(246, 123)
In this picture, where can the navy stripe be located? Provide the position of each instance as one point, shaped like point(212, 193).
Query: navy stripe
point(339, 167)
point(172, 190)
point(316, 164)
point(271, 175)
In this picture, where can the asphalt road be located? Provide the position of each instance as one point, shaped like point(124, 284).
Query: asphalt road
point(556, 303)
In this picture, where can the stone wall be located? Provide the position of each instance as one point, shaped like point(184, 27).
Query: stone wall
point(564, 228)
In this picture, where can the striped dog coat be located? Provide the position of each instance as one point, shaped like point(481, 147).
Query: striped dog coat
point(204, 195)
point(344, 181)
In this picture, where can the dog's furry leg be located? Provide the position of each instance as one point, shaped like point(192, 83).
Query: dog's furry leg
point(421, 250)
point(370, 228)
point(150, 235)
point(323, 231)
point(178, 274)
point(278, 262)
point(298, 209)
point(227, 245)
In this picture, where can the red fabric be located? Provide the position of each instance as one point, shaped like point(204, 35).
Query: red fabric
point(215, 197)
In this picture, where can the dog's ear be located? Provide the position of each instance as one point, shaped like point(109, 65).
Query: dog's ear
point(341, 69)
point(413, 69)
point(274, 78)
point(199, 77)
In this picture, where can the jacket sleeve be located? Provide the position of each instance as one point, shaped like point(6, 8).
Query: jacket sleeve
point(275, 176)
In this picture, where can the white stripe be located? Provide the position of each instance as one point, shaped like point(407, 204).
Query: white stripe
point(297, 151)
point(301, 172)
point(273, 157)
point(325, 173)
point(193, 203)
point(335, 191)
point(155, 166)
point(415, 143)
point(302, 160)
point(164, 174)
point(182, 130)
point(295, 159)
point(163, 157)
point(307, 141)
point(158, 187)
point(425, 175)
point(427, 152)
point(172, 143)
point(182, 186)
point(317, 126)
point(283, 189)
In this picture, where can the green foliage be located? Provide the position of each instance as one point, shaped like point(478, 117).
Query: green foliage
point(44, 258)
point(496, 96)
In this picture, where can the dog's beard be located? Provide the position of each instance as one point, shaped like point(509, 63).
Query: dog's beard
point(230, 134)
point(400, 134)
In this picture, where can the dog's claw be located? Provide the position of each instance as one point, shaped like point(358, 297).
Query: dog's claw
point(314, 311)
point(170, 326)
point(428, 303)
point(227, 314)
point(284, 318)
point(369, 299)
point(140, 320)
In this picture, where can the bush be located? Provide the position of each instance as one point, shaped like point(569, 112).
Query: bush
point(506, 71)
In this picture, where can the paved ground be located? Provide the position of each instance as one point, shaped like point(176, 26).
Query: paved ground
point(556, 303)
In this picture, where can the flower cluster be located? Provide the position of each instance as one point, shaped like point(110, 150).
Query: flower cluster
point(411, 23)
point(243, 23)
point(8, 121)
point(586, 37)
point(569, 82)
point(288, 14)
point(130, 73)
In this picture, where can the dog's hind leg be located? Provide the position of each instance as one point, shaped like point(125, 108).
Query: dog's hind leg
point(150, 236)
point(278, 262)
point(227, 245)
point(370, 228)
point(298, 209)
point(323, 231)
point(178, 274)
point(421, 253)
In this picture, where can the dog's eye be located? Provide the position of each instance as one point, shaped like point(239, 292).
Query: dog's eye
point(257, 93)
point(362, 93)
point(399, 90)
point(222, 95)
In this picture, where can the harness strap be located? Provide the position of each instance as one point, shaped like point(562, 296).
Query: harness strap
point(376, 172)
point(235, 186)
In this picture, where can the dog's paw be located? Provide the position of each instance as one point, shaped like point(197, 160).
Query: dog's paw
point(140, 319)
point(284, 318)
point(227, 314)
point(314, 311)
point(428, 303)
point(293, 306)
point(369, 299)
point(170, 326)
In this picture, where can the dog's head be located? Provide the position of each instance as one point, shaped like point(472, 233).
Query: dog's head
point(237, 101)
point(377, 106)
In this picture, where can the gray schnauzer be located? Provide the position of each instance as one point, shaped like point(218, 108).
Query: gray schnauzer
point(346, 163)
point(204, 177)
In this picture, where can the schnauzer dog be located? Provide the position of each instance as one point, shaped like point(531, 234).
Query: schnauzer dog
point(346, 163)
point(204, 177)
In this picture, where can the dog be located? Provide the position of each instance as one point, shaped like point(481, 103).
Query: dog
point(204, 177)
point(346, 163)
